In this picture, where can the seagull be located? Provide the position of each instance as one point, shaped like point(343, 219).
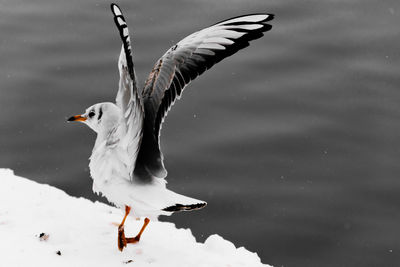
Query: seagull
point(127, 165)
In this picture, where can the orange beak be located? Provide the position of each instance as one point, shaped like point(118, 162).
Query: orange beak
point(77, 118)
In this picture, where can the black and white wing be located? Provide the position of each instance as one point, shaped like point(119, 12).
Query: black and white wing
point(128, 98)
point(181, 64)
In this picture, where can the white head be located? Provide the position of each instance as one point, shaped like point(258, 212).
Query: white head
point(100, 117)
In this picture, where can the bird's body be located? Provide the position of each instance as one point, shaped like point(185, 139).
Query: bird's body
point(110, 172)
point(126, 163)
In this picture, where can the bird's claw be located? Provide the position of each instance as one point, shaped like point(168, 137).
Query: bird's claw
point(121, 238)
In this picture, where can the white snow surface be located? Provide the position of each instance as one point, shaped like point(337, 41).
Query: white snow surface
point(85, 233)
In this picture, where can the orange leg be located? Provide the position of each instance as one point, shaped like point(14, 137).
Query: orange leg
point(137, 237)
point(122, 240)
point(121, 233)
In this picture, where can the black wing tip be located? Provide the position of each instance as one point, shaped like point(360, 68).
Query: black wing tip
point(268, 18)
point(180, 207)
point(117, 12)
point(113, 6)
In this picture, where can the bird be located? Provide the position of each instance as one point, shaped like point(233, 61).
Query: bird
point(126, 164)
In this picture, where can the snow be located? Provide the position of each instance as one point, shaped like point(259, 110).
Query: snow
point(42, 226)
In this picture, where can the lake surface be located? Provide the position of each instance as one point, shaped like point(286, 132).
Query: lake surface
point(293, 142)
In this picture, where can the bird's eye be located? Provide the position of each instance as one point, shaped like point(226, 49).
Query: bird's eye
point(91, 114)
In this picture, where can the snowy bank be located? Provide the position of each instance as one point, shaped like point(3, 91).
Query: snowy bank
point(42, 226)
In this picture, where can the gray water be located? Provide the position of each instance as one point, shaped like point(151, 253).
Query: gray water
point(293, 142)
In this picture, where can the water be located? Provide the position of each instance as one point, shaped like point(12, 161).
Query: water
point(293, 141)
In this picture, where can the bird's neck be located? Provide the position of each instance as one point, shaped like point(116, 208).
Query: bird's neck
point(107, 137)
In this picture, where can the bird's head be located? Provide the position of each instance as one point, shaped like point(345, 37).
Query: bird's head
point(99, 117)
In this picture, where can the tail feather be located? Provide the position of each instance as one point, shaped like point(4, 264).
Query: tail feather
point(177, 202)
point(180, 207)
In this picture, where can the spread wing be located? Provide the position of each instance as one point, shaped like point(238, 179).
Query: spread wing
point(128, 98)
point(181, 64)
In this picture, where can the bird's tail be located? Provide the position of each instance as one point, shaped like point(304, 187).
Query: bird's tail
point(181, 207)
point(180, 202)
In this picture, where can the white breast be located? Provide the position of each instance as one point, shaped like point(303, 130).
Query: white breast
point(108, 164)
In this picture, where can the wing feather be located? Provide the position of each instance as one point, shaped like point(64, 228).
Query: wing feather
point(181, 64)
point(128, 98)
